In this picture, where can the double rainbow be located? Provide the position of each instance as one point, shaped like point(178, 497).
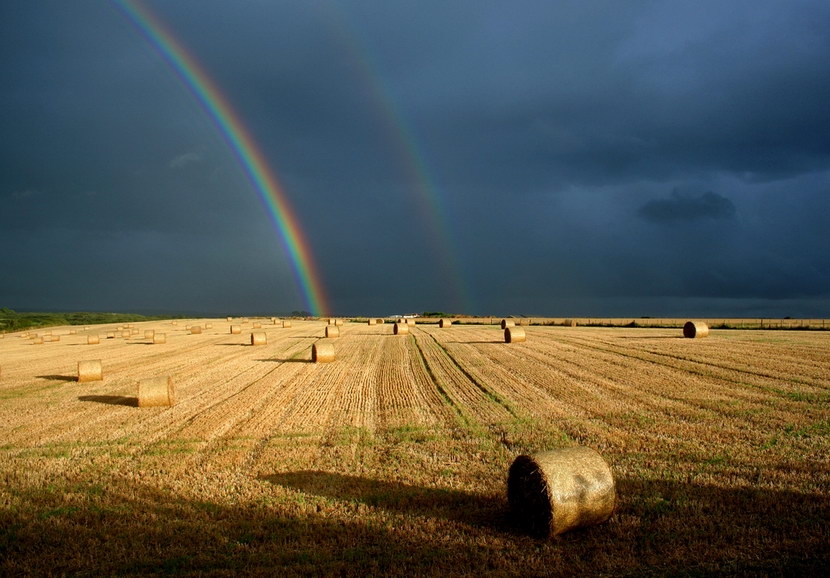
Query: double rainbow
point(240, 141)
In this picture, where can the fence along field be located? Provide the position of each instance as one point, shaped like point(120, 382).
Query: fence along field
point(393, 458)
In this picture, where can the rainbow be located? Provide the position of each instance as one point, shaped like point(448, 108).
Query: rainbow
point(241, 143)
point(413, 161)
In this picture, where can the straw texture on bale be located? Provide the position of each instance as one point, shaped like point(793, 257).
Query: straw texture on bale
point(372, 321)
point(286, 323)
point(332, 331)
point(38, 341)
point(230, 319)
point(159, 338)
point(332, 321)
point(195, 329)
point(695, 329)
point(338, 322)
point(381, 321)
point(90, 370)
point(444, 323)
point(322, 352)
point(93, 340)
point(236, 329)
point(555, 491)
point(258, 338)
point(514, 335)
point(149, 333)
point(401, 329)
point(110, 335)
point(257, 325)
point(125, 333)
point(156, 392)
point(505, 323)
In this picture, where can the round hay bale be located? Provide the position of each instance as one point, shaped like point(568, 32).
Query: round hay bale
point(338, 322)
point(573, 322)
point(410, 321)
point(381, 321)
point(444, 322)
point(555, 491)
point(514, 334)
point(695, 329)
point(257, 325)
point(258, 338)
point(332, 321)
point(236, 329)
point(125, 333)
point(286, 324)
point(332, 331)
point(90, 370)
point(71, 332)
point(38, 341)
point(505, 323)
point(159, 338)
point(401, 329)
point(195, 329)
point(110, 335)
point(230, 319)
point(372, 321)
point(322, 352)
point(156, 392)
point(133, 331)
point(149, 333)
point(208, 325)
point(93, 340)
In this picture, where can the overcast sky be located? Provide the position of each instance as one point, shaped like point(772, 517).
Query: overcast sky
point(542, 158)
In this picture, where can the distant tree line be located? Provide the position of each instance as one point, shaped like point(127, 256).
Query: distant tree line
point(11, 320)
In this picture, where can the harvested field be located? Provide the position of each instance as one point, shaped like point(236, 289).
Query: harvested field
point(393, 458)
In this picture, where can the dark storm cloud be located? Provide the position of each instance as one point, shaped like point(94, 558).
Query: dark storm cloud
point(545, 140)
point(688, 207)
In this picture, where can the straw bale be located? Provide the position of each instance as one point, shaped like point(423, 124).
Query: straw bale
point(381, 321)
point(156, 392)
point(505, 323)
point(444, 322)
point(332, 331)
point(332, 321)
point(338, 322)
point(322, 351)
point(195, 329)
point(159, 338)
point(257, 325)
point(258, 338)
point(558, 490)
point(208, 325)
point(230, 319)
point(236, 329)
point(514, 335)
point(286, 323)
point(695, 329)
point(401, 329)
point(148, 333)
point(71, 332)
point(125, 333)
point(372, 321)
point(93, 340)
point(38, 341)
point(110, 334)
point(90, 370)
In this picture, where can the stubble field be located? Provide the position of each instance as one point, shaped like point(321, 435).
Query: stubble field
point(393, 459)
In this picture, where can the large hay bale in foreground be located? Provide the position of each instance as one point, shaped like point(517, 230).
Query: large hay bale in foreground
point(695, 329)
point(401, 329)
point(322, 352)
point(514, 335)
point(372, 321)
point(93, 340)
point(159, 338)
point(505, 323)
point(444, 322)
point(236, 329)
point(332, 331)
point(156, 392)
point(555, 491)
point(90, 370)
point(258, 338)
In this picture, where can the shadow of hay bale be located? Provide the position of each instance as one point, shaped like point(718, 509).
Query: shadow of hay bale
point(111, 399)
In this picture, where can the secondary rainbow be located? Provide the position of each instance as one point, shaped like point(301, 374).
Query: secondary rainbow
point(240, 141)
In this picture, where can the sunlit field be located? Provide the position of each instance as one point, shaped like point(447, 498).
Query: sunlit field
point(393, 458)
